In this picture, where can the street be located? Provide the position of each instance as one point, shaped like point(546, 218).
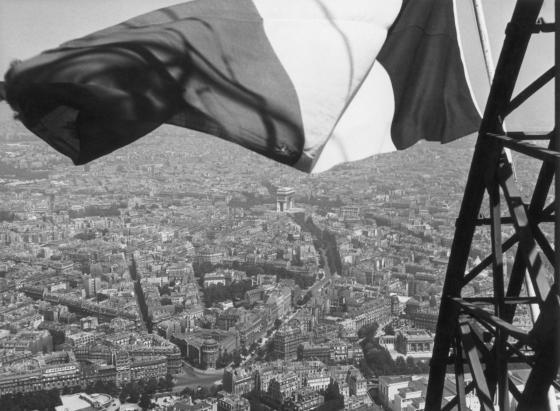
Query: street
point(193, 377)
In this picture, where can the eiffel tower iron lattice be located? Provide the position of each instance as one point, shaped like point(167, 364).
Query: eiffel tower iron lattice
point(477, 334)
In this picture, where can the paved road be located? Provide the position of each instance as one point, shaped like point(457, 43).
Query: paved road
point(193, 377)
point(318, 286)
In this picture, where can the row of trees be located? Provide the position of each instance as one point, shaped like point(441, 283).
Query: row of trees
point(324, 239)
point(85, 235)
point(368, 331)
point(37, 400)
point(140, 299)
point(334, 400)
point(202, 392)
point(252, 270)
point(378, 361)
point(142, 392)
point(328, 243)
point(7, 216)
point(227, 358)
point(58, 336)
point(218, 293)
point(96, 211)
point(236, 291)
point(302, 281)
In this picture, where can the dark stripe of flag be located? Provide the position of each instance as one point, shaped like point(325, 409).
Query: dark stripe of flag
point(204, 65)
point(422, 56)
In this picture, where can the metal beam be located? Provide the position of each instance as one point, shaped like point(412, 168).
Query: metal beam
point(538, 201)
point(475, 365)
point(547, 357)
point(492, 322)
point(455, 400)
point(460, 319)
point(531, 89)
point(506, 300)
point(486, 155)
point(525, 147)
point(498, 283)
point(487, 261)
point(460, 376)
point(527, 244)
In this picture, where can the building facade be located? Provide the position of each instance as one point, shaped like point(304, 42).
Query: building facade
point(286, 342)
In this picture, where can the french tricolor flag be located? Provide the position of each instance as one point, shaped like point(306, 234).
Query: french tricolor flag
point(309, 83)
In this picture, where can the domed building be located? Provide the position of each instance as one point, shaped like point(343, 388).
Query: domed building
point(412, 306)
point(210, 352)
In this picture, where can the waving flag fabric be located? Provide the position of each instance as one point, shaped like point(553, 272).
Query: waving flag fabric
point(309, 83)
